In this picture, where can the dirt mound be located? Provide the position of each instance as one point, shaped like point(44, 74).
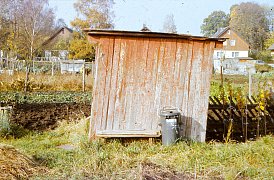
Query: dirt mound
point(15, 165)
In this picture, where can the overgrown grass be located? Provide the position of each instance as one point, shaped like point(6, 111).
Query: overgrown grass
point(44, 82)
point(117, 160)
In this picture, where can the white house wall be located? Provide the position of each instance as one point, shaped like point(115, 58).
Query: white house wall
point(228, 54)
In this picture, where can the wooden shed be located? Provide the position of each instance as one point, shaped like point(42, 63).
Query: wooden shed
point(139, 73)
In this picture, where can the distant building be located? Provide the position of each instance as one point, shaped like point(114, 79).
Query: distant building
point(234, 47)
point(234, 55)
point(56, 47)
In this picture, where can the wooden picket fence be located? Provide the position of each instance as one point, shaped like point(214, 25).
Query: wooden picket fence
point(226, 121)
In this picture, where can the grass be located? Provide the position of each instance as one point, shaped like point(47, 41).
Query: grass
point(45, 82)
point(115, 159)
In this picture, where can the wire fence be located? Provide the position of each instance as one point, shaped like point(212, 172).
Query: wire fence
point(45, 66)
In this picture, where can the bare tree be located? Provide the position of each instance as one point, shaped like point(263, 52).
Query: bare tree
point(36, 21)
point(169, 24)
point(270, 17)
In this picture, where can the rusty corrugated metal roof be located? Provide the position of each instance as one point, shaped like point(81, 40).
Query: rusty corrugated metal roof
point(94, 32)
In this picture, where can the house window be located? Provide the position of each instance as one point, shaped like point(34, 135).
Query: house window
point(220, 54)
point(232, 42)
point(235, 54)
point(225, 43)
point(228, 32)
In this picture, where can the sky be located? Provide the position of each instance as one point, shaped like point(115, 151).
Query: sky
point(132, 14)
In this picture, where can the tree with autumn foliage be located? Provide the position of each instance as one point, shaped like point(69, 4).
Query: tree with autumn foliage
point(27, 24)
point(250, 21)
point(96, 14)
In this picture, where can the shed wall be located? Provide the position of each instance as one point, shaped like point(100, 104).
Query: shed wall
point(136, 77)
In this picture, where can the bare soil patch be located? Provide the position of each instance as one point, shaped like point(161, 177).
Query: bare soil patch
point(46, 116)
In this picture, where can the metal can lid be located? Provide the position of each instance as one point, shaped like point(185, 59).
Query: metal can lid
point(169, 112)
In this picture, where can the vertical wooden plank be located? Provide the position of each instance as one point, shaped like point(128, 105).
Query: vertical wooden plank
point(158, 72)
point(137, 87)
point(164, 75)
point(186, 78)
point(151, 81)
point(113, 88)
point(205, 88)
point(100, 79)
point(199, 92)
point(119, 109)
point(95, 94)
point(177, 91)
point(195, 89)
point(141, 108)
point(106, 86)
point(101, 83)
point(130, 80)
point(181, 94)
point(172, 82)
point(149, 108)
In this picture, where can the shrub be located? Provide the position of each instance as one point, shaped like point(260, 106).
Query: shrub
point(263, 68)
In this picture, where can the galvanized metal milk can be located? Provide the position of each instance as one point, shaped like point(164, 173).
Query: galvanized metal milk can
point(170, 119)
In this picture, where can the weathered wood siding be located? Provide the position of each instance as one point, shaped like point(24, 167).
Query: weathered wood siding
point(135, 77)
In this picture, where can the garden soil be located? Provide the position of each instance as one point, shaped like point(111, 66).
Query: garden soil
point(46, 116)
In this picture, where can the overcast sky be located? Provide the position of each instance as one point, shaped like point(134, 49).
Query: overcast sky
point(132, 14)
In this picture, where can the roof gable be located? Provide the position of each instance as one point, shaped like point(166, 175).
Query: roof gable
point(220, 32)
point(56, 34)
point(223, 32)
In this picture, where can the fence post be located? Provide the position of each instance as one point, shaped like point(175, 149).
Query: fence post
point(249, 83)
point(84, 77)
point(5, 113)
point(52, 68)
point(27, 78)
